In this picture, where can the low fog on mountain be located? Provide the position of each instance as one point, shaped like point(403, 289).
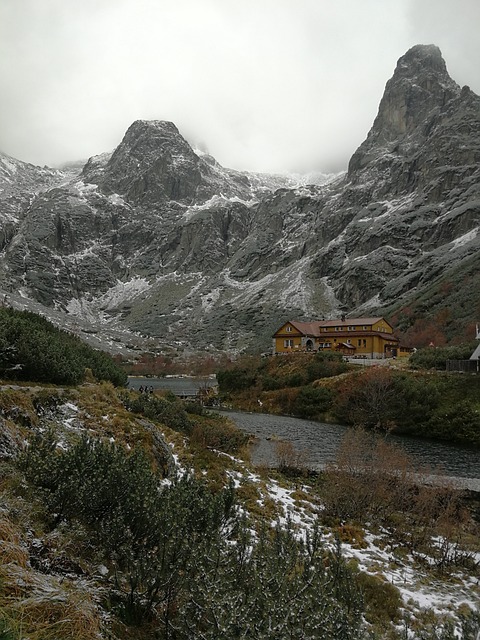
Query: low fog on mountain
point(272, 86)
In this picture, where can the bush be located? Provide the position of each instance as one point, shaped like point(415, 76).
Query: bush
point(168, 410)
point(312, 401)
point(367, 399)
point(383, 601)
point(218, 434)
point(235, 380)
point(31, 348)
point(458, 424)
point(325, 365)
point(148, 536)
point(436, 357)
point(374, 481)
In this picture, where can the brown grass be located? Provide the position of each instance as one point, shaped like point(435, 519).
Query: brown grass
point(44, 608)
point(11, 551)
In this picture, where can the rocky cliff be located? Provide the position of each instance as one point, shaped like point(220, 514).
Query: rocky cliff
point(158, 239)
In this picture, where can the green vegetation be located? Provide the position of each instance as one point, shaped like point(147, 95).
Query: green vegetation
point(212, 430)
point(436, 358)
point(429, 404)
point(32, 349)
point(180, 560)
point(266, 374)
point(101, 538)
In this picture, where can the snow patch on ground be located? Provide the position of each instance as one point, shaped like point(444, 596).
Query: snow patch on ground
point(297, 291)
point(465, 239)
point(113, 298)
point(215, 201)
point(210, 299)
point(116, 199)
point(83, 188)
point(390, 207)
point(416, 586)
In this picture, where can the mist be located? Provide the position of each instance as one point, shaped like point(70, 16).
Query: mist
point(270, 86)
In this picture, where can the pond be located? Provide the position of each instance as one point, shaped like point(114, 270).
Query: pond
point(319, 442)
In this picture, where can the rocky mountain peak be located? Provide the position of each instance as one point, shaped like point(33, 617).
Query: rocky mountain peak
point(192, 253)
point(419, 86)
point(419, 58)
point(414, 97)
point(152, 163)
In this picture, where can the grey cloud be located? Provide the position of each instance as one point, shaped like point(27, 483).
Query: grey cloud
point(271, 85)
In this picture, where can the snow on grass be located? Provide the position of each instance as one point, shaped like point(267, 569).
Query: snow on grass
point(69, 413)
point(418, 589)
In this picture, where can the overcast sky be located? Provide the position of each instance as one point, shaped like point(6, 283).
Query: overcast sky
point(263, 85)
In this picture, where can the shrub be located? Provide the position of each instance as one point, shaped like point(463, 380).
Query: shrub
point(383, 602)
point(218, 434)
point(168, 409)
point(325, 365)
point(149, 537)
point(235, 380)
point(312, 401)
point(31, 348)
point(459, 424)
point(290, 460)
point(366, 399)
point(436, 357)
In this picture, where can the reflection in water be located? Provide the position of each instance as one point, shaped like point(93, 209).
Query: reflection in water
point(319, 441)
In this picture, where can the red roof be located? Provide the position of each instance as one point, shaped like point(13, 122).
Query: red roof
point(348, 322)
point(314, 328)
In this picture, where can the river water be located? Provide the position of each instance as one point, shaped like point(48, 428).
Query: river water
point(319, 441)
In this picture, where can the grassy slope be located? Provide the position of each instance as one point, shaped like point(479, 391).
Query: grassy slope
point(53, 585)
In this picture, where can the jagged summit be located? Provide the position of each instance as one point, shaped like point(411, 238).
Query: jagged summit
point(415, 98)
point(153, 162)
point(421, 56)
point(419, 86)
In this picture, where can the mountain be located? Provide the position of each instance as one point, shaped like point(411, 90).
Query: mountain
point(159, 240)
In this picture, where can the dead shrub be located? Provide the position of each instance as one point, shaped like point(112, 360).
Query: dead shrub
point(367, 477)
point(289, 459)
point(373, 481)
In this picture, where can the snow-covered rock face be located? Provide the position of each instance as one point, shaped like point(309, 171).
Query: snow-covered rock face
point(161, 239)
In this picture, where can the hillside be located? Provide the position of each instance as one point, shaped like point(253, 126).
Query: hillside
point(133, 516)
point(415, 398)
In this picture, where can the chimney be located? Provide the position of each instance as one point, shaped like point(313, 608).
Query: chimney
point(343, 317)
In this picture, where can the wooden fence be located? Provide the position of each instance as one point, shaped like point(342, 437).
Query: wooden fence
point(464, 366)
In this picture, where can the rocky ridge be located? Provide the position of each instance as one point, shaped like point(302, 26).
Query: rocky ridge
point(160, 240)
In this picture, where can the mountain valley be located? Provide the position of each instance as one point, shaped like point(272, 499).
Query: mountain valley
point(156, 245)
